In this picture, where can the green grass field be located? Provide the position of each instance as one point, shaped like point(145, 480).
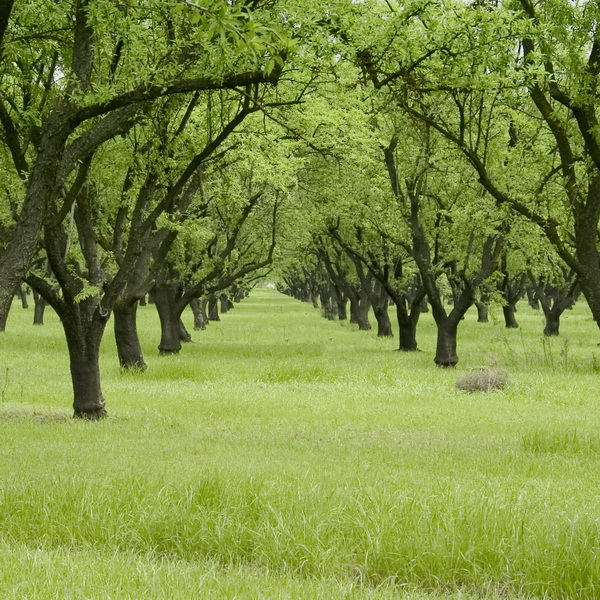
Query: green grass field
point(284, 456)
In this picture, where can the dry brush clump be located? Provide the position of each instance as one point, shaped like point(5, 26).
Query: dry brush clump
point(482, 379)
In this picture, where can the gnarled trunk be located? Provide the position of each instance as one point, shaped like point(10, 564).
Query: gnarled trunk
point(126, 336)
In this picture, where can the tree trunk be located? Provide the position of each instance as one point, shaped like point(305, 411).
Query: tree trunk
point(225, 304)
point(126, 336)
point(342, 307)
point(384, 327)
point(407, 333)
point(84, 354)
point(199, 310)
point(314, 298)
point(164, 300)
point(445, 353)
point(362, 314)
point(532, 299)
point(39, 308)
point(552, 322)
point(22, 296)
point(184, 335)
point(510, 320)
point(482, 312)
point(213, 308)
point(327, 305)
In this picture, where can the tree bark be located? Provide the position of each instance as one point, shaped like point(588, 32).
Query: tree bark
point(407, 332)
point(482, 312)
point(198, 307)
point(362, 313)
point(184, 334)
point(384, 326)
point(126, 336)
point(22, 296)
point(39, 308)
point(164, 300)
point(552, 324)
point(84, 354)
point(213, 308)
point(510, 321)
point(445, 353)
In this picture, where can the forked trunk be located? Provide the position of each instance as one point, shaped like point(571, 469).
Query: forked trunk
point(126, 336)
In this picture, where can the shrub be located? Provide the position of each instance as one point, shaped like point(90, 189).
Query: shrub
point(482, 379)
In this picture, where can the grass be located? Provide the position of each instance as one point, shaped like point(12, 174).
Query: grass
point(285, 456)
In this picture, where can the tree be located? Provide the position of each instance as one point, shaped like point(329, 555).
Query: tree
point(90, 75)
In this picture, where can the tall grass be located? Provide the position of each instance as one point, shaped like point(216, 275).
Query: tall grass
point(284, 456)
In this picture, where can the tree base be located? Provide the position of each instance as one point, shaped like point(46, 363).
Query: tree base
point(90, 414)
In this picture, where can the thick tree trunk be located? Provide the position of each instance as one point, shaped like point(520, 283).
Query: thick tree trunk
point(39, 308)
point(407, 333)
point(164, 300)
point(84, 354)
point(384, 326)
point(445, 353)
point(552, 322)
point(510, 320)
point(482, 312)
point(126, 336)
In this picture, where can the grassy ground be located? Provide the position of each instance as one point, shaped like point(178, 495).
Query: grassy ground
point(285, 456)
